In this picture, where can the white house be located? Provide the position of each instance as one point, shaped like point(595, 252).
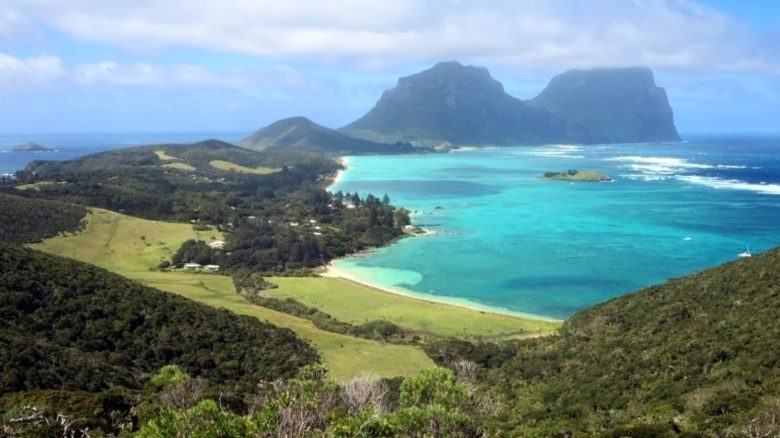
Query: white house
point(212, 267)
point(192, 266)
point(217, 244)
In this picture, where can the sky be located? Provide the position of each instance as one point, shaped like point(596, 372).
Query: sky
point(96, 66)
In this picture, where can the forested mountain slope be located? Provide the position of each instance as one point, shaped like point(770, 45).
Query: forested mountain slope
point(25, 220)
point(302, 135)
point(697, 354)
point(69, 325)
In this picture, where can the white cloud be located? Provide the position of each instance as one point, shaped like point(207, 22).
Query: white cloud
point(29, 72)
point(143, 74)
point(660, 33)
point(48, 72)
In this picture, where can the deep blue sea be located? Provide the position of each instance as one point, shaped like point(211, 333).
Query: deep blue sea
point(73, 145)
point(506, 239)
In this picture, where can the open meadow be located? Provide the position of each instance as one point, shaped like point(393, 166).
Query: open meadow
point(131, 246)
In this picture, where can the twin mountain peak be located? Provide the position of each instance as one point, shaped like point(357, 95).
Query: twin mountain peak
point(455, 105)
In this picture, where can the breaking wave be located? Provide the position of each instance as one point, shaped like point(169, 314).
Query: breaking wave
point(661, 168)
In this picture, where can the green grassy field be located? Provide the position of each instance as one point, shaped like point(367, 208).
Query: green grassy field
point(172, 162)
point(178, 165)
point(228, 166)
point(35, 186)
point(162, 155)
point(125, 244)
point(131, 246)
point(356, 303)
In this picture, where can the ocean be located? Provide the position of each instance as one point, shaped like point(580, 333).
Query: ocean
point(505, 239)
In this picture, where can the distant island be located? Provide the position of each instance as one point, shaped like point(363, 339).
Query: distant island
point(576, 175)
point(31, 147)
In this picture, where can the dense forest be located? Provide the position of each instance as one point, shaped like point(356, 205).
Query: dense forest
point(32, 220)
point(68, 326)
point(695, 355)
point(279, 219)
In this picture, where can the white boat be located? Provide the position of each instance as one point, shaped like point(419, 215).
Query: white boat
point(687, 238)
point(745, 253)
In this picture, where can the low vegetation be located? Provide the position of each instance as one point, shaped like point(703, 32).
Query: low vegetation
point(434, 403)
point(378, 330)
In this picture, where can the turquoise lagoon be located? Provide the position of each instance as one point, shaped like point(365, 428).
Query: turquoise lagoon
point(503, 238)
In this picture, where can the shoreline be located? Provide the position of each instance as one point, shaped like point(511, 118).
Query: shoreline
point(344, 161)
point(331, 271)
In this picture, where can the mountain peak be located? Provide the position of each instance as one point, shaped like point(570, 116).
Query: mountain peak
point(448, 103)
point(452, 76)
point(609, 105)
point(452, 103)
point(303, 135)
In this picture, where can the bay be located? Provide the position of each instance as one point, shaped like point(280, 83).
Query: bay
point(503, 238)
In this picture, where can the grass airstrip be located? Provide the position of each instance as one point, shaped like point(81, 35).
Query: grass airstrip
point(172, 162)
point(355, 303)
point(132, 247)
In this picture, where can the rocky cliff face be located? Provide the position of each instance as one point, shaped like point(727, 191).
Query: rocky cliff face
point(457, 104)
point(450, 103)
point(608, 105)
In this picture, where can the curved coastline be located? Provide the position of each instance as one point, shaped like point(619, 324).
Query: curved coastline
point(331, 270)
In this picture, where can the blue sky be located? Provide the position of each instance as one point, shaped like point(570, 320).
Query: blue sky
point(236, 65)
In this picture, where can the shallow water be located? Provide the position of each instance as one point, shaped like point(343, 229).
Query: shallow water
point(505, 238)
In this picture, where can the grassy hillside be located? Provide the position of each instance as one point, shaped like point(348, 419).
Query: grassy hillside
point(195, 156)
point(124, 244)
point(114, 242)
point(695, 354)
point(357, 304)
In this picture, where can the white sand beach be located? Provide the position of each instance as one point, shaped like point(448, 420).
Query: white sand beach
point(340, 174)
point(333, 271)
